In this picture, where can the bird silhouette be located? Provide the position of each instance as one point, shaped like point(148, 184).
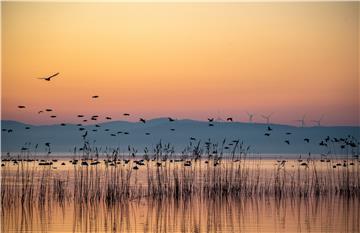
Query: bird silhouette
point(63, 124)
point(126, 114)
point(108, 118)
point(211, 124)
point(288, 133)
point(95, 96)
point(40, 111)
point(287, 142)
point(53, 116)
point(142, 120)
point(50, 77)
point(21, 106)
point(307, 140)
point(269, 128)
point(80, 115)
point(267, 134)
point(172, 129)
point(229, 119)
point(210, 119)
point(171, 119)
point(147, 133)
point(192, 138)
point(27, 127)
point(48, 110)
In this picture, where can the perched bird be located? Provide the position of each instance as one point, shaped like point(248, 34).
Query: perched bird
point(143, 120)
point(50, 77)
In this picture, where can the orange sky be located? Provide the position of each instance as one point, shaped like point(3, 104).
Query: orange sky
point(183, 60)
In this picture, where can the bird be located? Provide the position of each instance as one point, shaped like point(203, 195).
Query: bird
point(307, 140)
point(95, 96)
point(81, 129)
point(108, 118)
point(47, 144)
point(267, 134)
point(80, 115)
point(50, 77)
point(53, 116)
point(62, 124)
point(172, 129)
point(21, 106)
point(287, 142)
point(48, 110)
point(192, 138)
point(288, 133)
point(171, 119)
point(210, 119)
point(27, 127)
point(229, 119)
point(147, 133)
point(211, 124)
point(79, 125)
point(142, 120)
point(126, 114)
point(269, 128)
point(40, 111)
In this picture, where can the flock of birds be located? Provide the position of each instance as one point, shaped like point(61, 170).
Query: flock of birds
point(344, 142)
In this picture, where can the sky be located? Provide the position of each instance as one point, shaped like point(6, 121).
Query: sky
point(184, 60)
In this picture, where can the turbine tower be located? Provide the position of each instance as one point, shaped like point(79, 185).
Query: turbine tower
point(251, 116)
point(318, 122)
point(302, 121)
point(267, 118)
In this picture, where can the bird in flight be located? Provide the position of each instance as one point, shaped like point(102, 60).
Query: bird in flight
point(143, 120)
point(171, 119)
point(229, 119)
point(21, 106)
point(287, 142)
point(95, 96)
point(50, 77)
point(126, 114)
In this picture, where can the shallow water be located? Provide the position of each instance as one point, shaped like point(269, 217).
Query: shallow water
point(330, 213)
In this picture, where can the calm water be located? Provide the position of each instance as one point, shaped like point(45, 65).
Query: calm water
point(332, 213)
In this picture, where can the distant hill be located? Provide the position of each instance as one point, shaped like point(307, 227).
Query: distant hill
point(64, 138)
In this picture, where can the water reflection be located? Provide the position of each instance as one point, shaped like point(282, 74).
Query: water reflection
point(328, 214)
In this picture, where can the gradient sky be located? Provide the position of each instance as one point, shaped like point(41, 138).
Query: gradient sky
point(190, 60)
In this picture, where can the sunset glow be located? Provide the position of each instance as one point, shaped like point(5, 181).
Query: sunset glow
point(181, 60)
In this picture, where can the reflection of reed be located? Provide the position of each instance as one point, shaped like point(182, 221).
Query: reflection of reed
point(190, 215)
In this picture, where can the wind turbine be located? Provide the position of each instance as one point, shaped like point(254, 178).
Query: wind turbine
point(318, 122)
point(302, 121)
point(251, 116)
point(267, 118)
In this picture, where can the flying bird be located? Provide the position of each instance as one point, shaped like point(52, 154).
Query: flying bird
point(171, 119)
point(53, 116)
point(307, 140)
point(108, 118)
point(269, 128)
point(126, 114)
point(48, 109)
point(40, 111)
point(211, 124)
point(267, 134)
point(95, 96)
point(210, 119)
point(21, 106)
point(50, 77)
point(288, 133)
point(229, 119)
point(287, 142)
point(143, 120)
point(147, 133)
